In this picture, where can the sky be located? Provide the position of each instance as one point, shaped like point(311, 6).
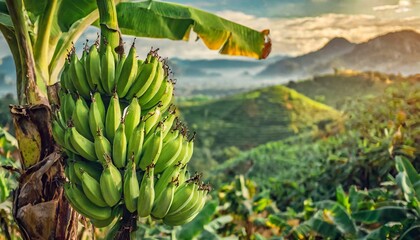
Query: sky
point(297, 26)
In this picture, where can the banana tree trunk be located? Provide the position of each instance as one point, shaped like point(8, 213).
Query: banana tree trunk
point(40, 209)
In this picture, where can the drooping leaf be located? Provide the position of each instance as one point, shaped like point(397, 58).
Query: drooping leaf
point(71, 11)
point(402, 164)
point(324, 228)
point(382, 215)
point(173, 21)
point(339, 217)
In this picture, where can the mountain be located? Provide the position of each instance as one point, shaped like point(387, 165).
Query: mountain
point(395, 52)
point(245, 120)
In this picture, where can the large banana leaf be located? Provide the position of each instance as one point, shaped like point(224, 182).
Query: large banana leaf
point(383, 215)
point(173, 21)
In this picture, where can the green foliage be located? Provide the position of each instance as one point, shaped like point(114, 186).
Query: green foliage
point(247, 120)
point(309, 166)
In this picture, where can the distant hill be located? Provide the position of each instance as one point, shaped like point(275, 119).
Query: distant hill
point(396, 52)
point(246, 120)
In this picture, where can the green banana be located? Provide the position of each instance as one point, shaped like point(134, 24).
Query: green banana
point(152, 120)
point(58, 133)
point(77, 71)
point(132, 118)
point(119, 146)
point(108, 70)
point(169, 175)
point(83, 205)
point(166, 99)
point(70, 173)
point(131, 187)
point(128, 73)
point(152, 150)
point(96, 120)
point(189, 152)
point(146, 74)
point(158, 96)
point(92, 190)
point(154, 87)
point(116, 213)
point(100, 104)
point(168, 122)
point(120, 65)
point(182, 198)
point(169, 154)
point(93, 66)
point(80, 114)
point(84, 61)
point(183, 174)
point(102, 147)
point(111, 183)
point(92, 168)
point(67, 106)
point(67, 144)
point(83, 146)
point(164, 201)
point(63, 77)
point(113, 117)
point(189, 212)
point(146, 193)
point(135, 143)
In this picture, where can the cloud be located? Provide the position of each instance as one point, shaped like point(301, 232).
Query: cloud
point(297, 36)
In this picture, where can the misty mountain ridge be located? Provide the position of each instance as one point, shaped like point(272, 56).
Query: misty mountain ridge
point(395, 52)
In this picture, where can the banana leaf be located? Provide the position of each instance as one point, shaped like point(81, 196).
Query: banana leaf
point(412, 233)
point(383, 215)
point(173, 21)
point(339, 217)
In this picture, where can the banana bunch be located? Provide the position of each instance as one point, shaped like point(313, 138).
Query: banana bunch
point(125, 147)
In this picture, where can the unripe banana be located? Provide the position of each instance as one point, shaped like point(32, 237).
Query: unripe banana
point(152, 150)
point(183, 174)
point(94, 66)
point(108, 70)
point(117, 212)
point(84, 60)
point(170, 153)
point(132, 118)
point(146, 194)
point(183, 196)
point(189, 152)
point(169, 175)
point(58, 133)
point(83, 146)
point(131, 187)
point(158, 96)
point(111, 183)
point(146, 74)
point(113, 117)
point(119, 146)
point(96, 120)
point(83, 205)
point(92, 190)
point(189, 212)
point(164, 201)
point(79, 75)
point(102, 147)
point(166, 99)
point(100, 104)
point(70, 173)
point(128, 73)
point(120, 65)
point(65, 80)
point(67, 106)
point(92, 168)
point(67, 144)
point(135, 143)
point(80, 115)
point(168, 122)
point(152, 120)
point(154, 87)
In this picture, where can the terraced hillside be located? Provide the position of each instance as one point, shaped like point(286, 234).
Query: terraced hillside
point(246, 120)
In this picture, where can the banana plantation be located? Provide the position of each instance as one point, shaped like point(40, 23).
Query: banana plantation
point(99, 147)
